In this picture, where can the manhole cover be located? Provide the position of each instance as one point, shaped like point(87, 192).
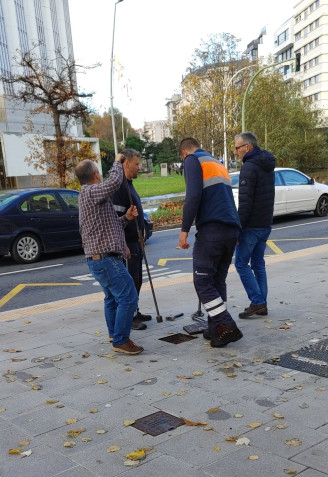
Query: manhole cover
point(312, 359)
point(158, 423)
point(178, 338)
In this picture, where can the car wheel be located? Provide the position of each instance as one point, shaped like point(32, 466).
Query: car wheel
point(26, 249)
point(321, 209)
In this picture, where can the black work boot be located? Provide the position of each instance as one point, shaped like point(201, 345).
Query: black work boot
point(226, 335)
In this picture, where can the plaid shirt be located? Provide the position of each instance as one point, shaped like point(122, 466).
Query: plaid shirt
point(100, 227)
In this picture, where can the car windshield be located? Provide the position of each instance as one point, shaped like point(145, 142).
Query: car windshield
point(234, 181)
point(6, 198)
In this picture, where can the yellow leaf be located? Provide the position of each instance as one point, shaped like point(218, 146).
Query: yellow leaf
point(2, 409)
point(71, 421)
point(197, 373)
point(127, 369)
point(86, 439)
point(97, 332)
point(226, 366)
point(231, 375)
point(26, 322)
point(75, 432)
point(128, 422)
point(232, 439)
point(257, 360)
point(17, 360)
point(69, 444)
point(192, 423)
point(216, 448)
point(35, 387)
point(102, 381)
point(290, 471)
point(299, 387)
point(213, 410)
point(93, 411)
point(14, 451)
point(208, 428)
point(131, 463)
point(281, 426)
point(166, 393)
point(24, 443)
point(239, 415)
point(286, 376)
point(253, 457)
point(294, 355)
point(136, 455)
point(51, 401)
point(101, 431)
point(182, 393)
point(113, 448)
point(184, 377)
point(293, 442)
point(254, 425)
point(278, 416)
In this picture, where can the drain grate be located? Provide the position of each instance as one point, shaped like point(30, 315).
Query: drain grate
point(158, 423)
point(178, 338)
point(312, 359)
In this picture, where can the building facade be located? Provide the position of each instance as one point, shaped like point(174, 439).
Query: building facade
point(44, 27)
point(156, 131)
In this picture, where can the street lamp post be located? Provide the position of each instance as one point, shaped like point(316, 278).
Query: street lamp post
point(111, 81)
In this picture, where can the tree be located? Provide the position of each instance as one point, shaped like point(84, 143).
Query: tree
point(101, 126)
point(51, 89)
point(286, 122)
point(167, 152)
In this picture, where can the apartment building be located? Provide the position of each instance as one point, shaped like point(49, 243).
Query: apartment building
point(24, 24)
point(284, 49)
point(156, 131)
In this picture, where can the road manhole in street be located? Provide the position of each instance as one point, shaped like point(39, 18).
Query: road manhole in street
point(312, 359)
point(178, 338)
point(158, 423)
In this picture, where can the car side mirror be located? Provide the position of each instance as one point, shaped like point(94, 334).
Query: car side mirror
point(311, 181)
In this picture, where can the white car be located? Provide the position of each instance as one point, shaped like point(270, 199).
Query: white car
point(295, 192)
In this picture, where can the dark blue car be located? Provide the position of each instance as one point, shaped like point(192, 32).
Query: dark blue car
point(33, 221)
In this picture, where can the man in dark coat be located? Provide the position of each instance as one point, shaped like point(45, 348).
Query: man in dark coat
point(256, 202)
point(121, 201)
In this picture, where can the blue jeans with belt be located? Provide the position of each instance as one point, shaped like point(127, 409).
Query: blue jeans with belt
point(250, 264)
point(121, 297)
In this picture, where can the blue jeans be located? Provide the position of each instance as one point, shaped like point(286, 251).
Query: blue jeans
point(250, 264)
point(121, 297)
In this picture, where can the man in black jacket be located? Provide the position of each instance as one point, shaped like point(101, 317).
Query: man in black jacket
point(121, 203)
point(256, 202)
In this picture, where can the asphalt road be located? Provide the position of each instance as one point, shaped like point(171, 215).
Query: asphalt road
point(65, 275)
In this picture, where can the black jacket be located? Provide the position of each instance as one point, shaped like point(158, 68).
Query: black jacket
point(256, 189)
point(121, 203)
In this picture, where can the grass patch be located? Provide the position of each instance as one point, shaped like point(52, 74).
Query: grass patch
point(157, 185)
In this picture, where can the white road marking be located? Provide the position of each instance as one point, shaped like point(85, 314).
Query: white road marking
point(32, 269)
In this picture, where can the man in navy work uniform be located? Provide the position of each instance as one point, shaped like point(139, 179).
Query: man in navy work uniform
point(256, 203)
point(210, 202)
point(105, 249)
point(121, 201)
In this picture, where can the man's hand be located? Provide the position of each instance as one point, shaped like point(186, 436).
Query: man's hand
point(128, 253)
point(131, 213)
point(120, 158)
point(183, 240)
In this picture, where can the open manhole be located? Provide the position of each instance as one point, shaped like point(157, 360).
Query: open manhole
point(158, 423)
point(312, 359)
point(178, 338)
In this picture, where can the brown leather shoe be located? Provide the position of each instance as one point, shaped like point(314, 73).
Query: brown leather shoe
point(225, 336)
point(128, 348)
point(260, 309)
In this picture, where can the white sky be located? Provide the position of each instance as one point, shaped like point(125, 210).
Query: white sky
point(154, 43)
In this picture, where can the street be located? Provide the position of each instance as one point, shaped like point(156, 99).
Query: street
point(61, 276)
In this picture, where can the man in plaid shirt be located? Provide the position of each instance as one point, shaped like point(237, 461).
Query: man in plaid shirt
point(104, 245)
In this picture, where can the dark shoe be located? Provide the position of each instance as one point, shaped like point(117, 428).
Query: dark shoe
point(128, 348)
point(260, 309)
point(141, 317)
point(138, 325)
point(225, 336)
point(111, 339)
point(206, 335)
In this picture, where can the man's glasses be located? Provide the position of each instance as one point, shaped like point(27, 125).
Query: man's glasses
point(238, 147)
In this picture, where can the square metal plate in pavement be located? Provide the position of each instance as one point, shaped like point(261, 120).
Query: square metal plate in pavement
point(178, 338)
point(312, 359)
point(158, 423)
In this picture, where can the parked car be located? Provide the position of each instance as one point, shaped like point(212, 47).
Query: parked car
point(294, 192)
point(33, 221)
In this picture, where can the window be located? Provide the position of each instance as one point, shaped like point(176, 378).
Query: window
point(317, 78)
point(71, 199)
point(40, 203)
point(294, 178)
point(311, 8)
point(317, 23)
point(311, 63)
point(298, 18)
point(316, 42)
point(317, 4)
point(298, 36)
point(316, 60)
point(305, 84)
point(306, 49)
point(316, 96)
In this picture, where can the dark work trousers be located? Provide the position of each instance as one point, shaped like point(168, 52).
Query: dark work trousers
point(135, 264)
point(212, 254)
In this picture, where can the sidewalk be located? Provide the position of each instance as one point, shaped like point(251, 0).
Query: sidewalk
point(64, 370)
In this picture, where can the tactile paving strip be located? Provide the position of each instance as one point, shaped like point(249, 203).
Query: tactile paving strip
point(312, 359)
point(158, 423)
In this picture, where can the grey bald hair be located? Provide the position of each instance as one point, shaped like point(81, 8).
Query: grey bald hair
point(248, 138)
point(85, 170)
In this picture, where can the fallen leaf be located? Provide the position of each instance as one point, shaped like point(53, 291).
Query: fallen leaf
point(131, 463)
point(286, 376)
point(113, 448)
point(197, 373)
point(290, 471)
point(93, 411)
point(294, 355)
point(86, 439)
point(75, 432)
point(27, 322)
point(36, 387)
point(57, 359)
point(69, 444)
point(127, 369)
point(226, 366)
point(239, 415)
point(293, 442)
point(253, 457)
point(208, 428)
point(71, 421)
point(256, 360)
point(232, 438)
point(278, 416)
point(284, 327)
point(97, 332)
point(51, 401)
point(139, 454)
point(102, 381)
point(213, 410)
point(2, 409)
point(303, 405)
point(267, 428)
point(254, 425)
point(24, 443)
point(321, 389)
point(181, 376)
point(101, 431)
point(166, 393)
point(26, 453)
point(216, 448)
point(231, 375)
point(242, 441)
point(192, 423)
point(12, 350)
point(17, 360)
point(85, 355)
point(128, 422)
point(14, 451)
point(238, 365)
point(281, 426)
point(178, 247)
point(182, 393)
